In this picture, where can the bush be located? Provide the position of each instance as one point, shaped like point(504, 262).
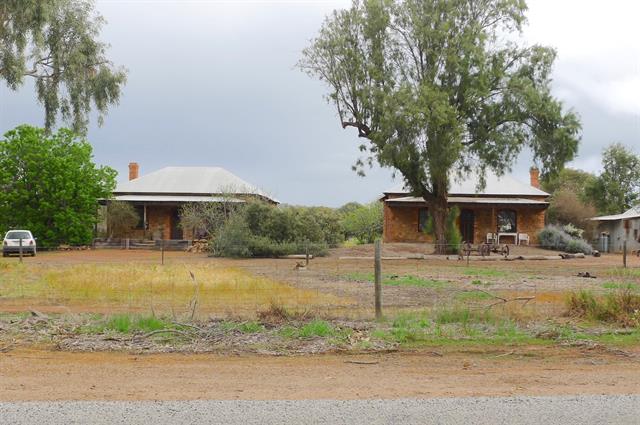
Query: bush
point(566, 208)
point(554, 237)
point(363, 222)
point(622, 307)
point(233, 238)
point(122, 218)
point(318, 225)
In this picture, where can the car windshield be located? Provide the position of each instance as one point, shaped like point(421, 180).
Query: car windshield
point(18, 235)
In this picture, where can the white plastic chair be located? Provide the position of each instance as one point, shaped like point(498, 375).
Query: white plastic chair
point(523, 237)
point(491, 237)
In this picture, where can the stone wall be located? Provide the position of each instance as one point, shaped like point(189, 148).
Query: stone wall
point(401, 222)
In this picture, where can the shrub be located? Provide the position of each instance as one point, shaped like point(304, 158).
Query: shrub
point(566, 208)
point(554, 237)
point(233, 238)
point(122, 218)
point(622, 306)
point(579, 245)
point(363, 222)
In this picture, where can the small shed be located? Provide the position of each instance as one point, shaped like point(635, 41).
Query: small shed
point(620, 228)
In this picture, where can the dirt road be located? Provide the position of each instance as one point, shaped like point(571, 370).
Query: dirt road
point(46, 375)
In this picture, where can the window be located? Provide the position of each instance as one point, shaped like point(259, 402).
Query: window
point(423, 219)
point(507, 221)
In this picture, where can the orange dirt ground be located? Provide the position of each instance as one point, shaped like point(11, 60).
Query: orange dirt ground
point(44, 375)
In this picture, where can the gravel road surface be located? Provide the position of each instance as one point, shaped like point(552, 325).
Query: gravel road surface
point(581, 410)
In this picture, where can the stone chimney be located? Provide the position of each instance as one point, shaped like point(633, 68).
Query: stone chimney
point(534, 175)
point(134, 169)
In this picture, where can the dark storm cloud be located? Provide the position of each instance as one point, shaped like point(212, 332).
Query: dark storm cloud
point(215, 83)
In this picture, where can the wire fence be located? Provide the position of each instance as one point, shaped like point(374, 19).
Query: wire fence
point(340, 286)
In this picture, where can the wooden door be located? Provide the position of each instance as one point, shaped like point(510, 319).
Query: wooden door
point(467, 225)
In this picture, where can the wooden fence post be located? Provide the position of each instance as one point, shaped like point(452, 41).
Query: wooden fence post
point(20, 250)
point(378, 278)
point(624, 254)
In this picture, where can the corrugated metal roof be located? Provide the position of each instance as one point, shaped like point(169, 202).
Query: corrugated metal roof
point(631, 213)
point(191, 181)
point(472, 200)
point(174, 198)
point(503, 186)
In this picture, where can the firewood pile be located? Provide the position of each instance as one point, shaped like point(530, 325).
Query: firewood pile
point(73, 248)
point(198, 246)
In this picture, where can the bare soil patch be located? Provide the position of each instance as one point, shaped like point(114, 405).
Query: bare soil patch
point(45, 375)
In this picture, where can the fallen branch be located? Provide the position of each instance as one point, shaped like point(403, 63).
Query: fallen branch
point(159, 331)
point(361, 362)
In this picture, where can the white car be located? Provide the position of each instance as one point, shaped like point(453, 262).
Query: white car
point(11, 243)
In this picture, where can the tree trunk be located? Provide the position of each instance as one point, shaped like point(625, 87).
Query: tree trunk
point(439, 210)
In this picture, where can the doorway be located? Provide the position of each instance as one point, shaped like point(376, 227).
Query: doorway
point(467, 225)
point(176, 230)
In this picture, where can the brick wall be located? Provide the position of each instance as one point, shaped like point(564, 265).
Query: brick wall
point(401, 223)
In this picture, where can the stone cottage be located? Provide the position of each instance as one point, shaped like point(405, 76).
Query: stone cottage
point(159, 195)
point(506, 209)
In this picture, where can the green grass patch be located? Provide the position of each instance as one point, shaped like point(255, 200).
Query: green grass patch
point(484, 272)
point(452, 326)
point(316, 328)
point(126, 323)
point(398, 280)
point(472, 296)
point(614, 285)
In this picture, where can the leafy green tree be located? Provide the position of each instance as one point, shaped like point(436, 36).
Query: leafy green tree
point(50, 185)
point(56, 43)
point(436, 90)
point(617, 188)
point(364, 223)
point(570, 180)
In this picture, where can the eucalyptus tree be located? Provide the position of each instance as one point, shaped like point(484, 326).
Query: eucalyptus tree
point(442, 88)
point(55, 42)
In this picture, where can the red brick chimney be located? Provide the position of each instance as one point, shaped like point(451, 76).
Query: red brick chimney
point(534, 175)
point(134, 168)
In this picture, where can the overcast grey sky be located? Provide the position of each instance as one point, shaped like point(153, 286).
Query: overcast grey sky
point(213, 83)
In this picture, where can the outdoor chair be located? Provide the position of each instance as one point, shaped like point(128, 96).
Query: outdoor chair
point(491, 238)
point(523, 237)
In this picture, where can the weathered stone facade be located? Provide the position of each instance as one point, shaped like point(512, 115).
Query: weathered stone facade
point(401, 223)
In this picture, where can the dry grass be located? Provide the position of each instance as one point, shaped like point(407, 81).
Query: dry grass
point(169, 289)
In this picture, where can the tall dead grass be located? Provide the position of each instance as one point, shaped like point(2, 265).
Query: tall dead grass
point(175, 289)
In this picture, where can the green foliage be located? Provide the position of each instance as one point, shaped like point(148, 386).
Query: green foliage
point(452, 231)
point(206, 219)
point(434, 92)
point(262, 230)
point(318, 225)
point(570, 180)
point(50, 185)
point(56, 43)
point(316, 328)
point(363, 222)
point(618, 187)
point(233, 238)
point(122, 218)
point(554, 237)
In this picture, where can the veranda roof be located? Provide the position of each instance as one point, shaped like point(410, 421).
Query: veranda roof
point(470, 200)
point(497, 186)
point(189, 181)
